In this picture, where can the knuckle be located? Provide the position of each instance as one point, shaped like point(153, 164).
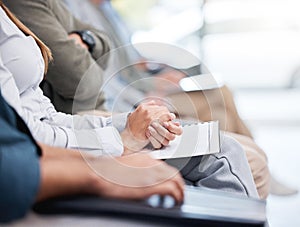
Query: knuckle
point(168, 135)
point(142, 108)
point(146, 111)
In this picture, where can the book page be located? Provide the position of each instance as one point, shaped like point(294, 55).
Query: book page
point(196, 139)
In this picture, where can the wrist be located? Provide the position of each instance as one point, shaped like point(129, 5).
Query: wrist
point(97, 181)
point(64, 176)
point(87, 38)
point(132, 144)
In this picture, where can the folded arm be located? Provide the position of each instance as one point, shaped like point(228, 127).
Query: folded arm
point(74, 70)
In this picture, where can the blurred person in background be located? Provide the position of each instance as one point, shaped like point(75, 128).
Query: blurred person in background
point(215, 104)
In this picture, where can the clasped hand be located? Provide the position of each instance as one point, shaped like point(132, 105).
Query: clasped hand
point(150, 122)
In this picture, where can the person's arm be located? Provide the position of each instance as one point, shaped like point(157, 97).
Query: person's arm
point(90, 133)
point(99, 38)
point(94, 132)
point(73, 65)
point(66, 172)
point(104, 139)
point(23, 180)
point(19, 169)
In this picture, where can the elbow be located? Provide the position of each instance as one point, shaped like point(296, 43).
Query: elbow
point(79, 83)
point(89, 86)
point(19, 186)
point(9, 213)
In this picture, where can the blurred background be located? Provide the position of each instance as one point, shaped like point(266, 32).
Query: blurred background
point(254, 46)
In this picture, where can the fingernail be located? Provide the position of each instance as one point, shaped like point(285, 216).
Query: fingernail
point(173, 116)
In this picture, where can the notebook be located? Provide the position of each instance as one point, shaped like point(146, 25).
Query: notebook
point(201, 82)
point(197, 139)
point(201, 207)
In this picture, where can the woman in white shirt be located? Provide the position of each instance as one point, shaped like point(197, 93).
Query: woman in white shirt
point(22, 69)
point(23, 63)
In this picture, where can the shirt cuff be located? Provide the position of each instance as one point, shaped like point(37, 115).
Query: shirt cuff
point(99, 142)
point(118, 121)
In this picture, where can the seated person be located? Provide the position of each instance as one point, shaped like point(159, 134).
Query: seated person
point(208, 105)
point(215, 104)
point(32, 172)
point(227, 170)
point(57, 129)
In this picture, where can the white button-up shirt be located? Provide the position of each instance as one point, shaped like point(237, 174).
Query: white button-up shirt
point(21, 71)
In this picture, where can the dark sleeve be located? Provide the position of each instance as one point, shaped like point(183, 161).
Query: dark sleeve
point(19, 169)
point(71, 23)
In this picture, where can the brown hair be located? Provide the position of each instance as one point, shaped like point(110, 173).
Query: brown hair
point(46, 52)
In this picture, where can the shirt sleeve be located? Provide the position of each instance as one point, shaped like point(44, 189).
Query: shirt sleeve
point(88, 133)
point(19, 171)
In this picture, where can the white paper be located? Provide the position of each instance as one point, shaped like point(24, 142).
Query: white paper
point(200, 82)
point(196, 139)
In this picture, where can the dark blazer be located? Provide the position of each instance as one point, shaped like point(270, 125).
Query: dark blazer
point(19, 165)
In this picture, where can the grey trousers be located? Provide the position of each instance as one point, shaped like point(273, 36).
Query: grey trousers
point(227, 170)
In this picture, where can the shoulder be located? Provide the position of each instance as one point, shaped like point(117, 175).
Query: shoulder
point(7, 27)
point(26, 7)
